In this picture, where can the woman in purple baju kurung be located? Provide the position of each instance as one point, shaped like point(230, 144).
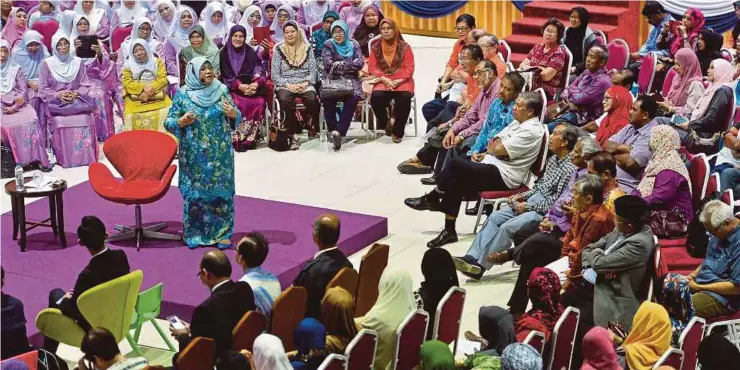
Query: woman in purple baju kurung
point(96, 15)
point(20, 125)
point(102, 82)
point(185, 19)
point(244, 77)
point(127, 12)
point(29, 53)
point(68, 108)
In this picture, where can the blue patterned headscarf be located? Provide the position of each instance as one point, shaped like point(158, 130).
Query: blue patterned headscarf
point(676, 298)
point(344, 49)
point(518, 356)
point(200, 94)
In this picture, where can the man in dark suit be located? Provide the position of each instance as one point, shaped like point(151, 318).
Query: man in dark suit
point(105, 265)
point(317, 273)
point(217, 316)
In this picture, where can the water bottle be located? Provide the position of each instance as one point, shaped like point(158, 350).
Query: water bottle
point(19, 183)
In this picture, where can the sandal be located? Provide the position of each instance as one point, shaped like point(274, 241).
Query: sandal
point(472, 337)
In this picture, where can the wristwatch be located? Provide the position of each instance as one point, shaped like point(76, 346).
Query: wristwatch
point(462, 138)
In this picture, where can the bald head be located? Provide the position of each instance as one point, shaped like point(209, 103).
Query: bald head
point(326, 230)
point(475, 34)
point(216, 264)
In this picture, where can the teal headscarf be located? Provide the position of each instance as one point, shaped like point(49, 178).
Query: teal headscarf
point(200, 94)
point(344, 49)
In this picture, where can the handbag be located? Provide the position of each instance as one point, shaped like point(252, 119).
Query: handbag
point(338, 89)
point(668, 224)
point(156, 97)
point(246, 136)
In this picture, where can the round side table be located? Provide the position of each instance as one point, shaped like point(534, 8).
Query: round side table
point(56, 210)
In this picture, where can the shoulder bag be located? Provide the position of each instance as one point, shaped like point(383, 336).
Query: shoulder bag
point(338, 89)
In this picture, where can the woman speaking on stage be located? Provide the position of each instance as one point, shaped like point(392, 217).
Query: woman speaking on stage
point(202, 117)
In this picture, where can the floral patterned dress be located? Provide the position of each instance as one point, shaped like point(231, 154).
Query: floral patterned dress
point(206, 170)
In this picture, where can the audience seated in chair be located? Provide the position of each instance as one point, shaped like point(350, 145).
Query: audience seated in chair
point(100, 351)
point(708, 48)
point(393, 80)
point(217, 316)
point(439, 276)
point(142, 29)
point(395, 301)
point(105, 265)
point(178, 40)
point(728, 163)
point(598, 351)
point(686, 87)
point(268, 354)
point(13, 338)
point(523, 208)
point(144, 81)
point(338, 316)
point(317, 273)
point(489, 44)
point(617, 104)
point(164, 17)
point(310, 342)
point(716, 351)
point(676, 298)
point(251, 253)
point(579, 39)
point(658, 18)
point(648, 338)
point(624, 77)
point(436, 355)
point(665, 184)
point(505, 166)
point(321, 35)
point(549, 59)
point(583, 98)
point(629, 146)
point(127, 12)
point(368, 28)
point(686, 34)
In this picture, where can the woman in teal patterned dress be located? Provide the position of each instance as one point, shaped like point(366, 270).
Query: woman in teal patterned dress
point(201, 117)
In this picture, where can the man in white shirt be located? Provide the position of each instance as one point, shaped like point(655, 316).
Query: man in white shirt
point(505, 165)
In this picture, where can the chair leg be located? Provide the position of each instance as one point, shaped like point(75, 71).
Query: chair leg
point(137, 332)
point(481, 205)
point(164, 336)
point(134, 345)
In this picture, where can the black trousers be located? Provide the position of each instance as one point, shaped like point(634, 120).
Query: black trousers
point(462, 177)
point(55, 295)
point(381, 100)
point(438, 111)
point(287, 104)
point(538, 250)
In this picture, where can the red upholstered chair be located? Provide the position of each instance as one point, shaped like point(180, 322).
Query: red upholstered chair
point(536, 339)
point(668, 80)
point(144, 160)
point(601, 38)
point(200, 354)
point(46, 28)
point(647, 73)
point(119, 35)
point(448, 316)
point(726, 54)
point(498, 198)
point(671, 357)
point(410, 336)
point(619, 54)
point(360, 351)
point(334, 362)
point(563, 339)
point(505, 50)
point(689, 341)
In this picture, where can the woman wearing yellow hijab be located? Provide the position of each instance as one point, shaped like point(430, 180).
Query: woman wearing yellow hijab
point(650, 337)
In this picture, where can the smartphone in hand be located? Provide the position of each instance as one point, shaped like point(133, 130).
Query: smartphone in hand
point(176, 322)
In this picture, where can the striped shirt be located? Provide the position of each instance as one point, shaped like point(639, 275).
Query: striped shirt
point(266, 288)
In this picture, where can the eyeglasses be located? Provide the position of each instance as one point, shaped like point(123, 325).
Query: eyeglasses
point(461, 29)
point(481, 72)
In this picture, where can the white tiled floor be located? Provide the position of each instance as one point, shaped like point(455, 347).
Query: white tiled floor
point(361, 178)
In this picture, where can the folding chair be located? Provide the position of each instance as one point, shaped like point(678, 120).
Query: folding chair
point(505, 50)
point(410, 336)
point(536, 339)
point(647, 73)
point(671, 357)
point(731, 321)
point(287, 311)
point(247, 330)
point(726, 54)
point(361, 350)
point(563, 339)
point(602, 38)
point(371, 268)
point(568, 65)
point(118, 35)
point(689, 341)
point(448, 316)
point(334, 362)
point(619, 54)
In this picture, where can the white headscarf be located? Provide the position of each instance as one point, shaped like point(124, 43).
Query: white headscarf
point(94, 17)
point(8, 70)
point(314, 12)
point(64, 68)
point(76, 33)
point(395, 301)
point(269, 353)
point(138, 22)
point(126, 15)
point(213, 30)
point(180, 37)
point(162, 27)
point(136, 67)
point(276, 27)
point(245, 20)
point(30, 63)
point(231, 13)
point(68, 18)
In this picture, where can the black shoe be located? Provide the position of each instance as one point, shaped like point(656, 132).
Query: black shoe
point(429, 181)
point(445, 237)
point(336, 140)
point(413, 168)
point(473, 211)
point(422, 203)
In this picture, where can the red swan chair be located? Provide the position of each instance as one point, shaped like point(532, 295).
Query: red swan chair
point(144, 160)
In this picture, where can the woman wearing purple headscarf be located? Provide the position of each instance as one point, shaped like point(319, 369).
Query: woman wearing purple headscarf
point(242, 73)
point(15, 28)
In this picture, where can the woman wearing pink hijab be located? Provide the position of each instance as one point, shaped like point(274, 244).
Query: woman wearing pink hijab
point(16, 26)
point(688, 31)
point(598, 351)
point(687, 86)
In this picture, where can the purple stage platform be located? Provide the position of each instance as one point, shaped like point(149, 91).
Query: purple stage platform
point(44, 266)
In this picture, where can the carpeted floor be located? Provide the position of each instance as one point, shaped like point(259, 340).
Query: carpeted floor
point(288, 227)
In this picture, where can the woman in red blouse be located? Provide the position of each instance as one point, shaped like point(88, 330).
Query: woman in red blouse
point(392, 66)
point(549, 58)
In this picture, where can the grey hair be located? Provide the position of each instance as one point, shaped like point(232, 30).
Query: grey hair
point(603, 53)
point(715, 213)
point(533, 101)
point(589, 145)
point(571, 136)
point(490, 38)
point(591, 185)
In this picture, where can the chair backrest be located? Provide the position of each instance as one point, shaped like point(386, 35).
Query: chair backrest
point(140, 154)
point(346, 278)
point(148, 304)
point(118, 35)
point(371, 267)
point(671, 357)
point(544, 105)
point(647, 73)
point(111, 305)
point(334, 362)
point(731, 324)
point(410, 336)
point(538, 167)
point(601, 38)
point(200, 354)
point(712, 184)
point(619, 54)
point(510, 67)
point(728, 196)
point(505, 50)
point(689, 341)
point(370, 43)
point(668, 81)
point(247, 329)
point(563, 339)
point(536, 339)
point(699, 176)
point(287, 312)
point(46, 28)
point(448, 316)
point(568, 66)
point(360, 351)
point(726, 54)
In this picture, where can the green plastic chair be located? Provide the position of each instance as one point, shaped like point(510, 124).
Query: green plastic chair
point(147, 309)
